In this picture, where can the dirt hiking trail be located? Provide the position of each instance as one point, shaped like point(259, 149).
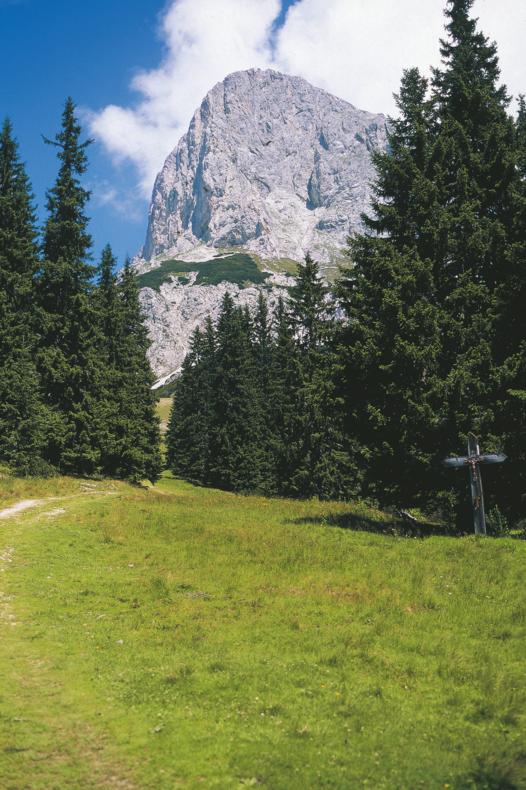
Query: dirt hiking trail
point(19, 507)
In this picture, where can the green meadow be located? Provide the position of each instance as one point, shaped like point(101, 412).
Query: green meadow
point(238, 268)
point(184, 637)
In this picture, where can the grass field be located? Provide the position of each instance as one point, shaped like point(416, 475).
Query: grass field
point(164, 406)
point(184, 637)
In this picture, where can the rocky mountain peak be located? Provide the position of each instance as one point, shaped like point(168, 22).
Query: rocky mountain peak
point(271, 168)
point(269, 163)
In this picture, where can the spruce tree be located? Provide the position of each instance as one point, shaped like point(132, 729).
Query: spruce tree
point(68, 358)
point(112, 422)
point(286, 403)
point(391, 340)
point(188, 436)
point(323, 466)
point(510, 346)
point(423, 295)
point(23, 420)
point(138, 436)
point(265, 405)
point(236, 456)
point(475, 175)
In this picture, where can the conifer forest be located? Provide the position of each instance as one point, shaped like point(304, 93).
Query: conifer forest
point(362, 389)
point(358, 389)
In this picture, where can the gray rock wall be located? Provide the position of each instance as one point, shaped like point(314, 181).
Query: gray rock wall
point(269, 163)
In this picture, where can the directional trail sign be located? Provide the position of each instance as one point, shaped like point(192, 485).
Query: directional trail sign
point(473, 461)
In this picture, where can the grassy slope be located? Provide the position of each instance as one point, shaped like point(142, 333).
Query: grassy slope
point(238, 268)
point(164, 406)
point(188, 637)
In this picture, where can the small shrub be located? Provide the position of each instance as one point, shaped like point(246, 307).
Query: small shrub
point(496, 523)
point(34, 467)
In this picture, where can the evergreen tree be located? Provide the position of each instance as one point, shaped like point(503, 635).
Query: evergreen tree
point(423, 296)
point(112, 422)
point(23, 419)
point(236, 453)
point(188, 436)
point(138, 437)
point(510, 347)
point(68, 359)
point(286, 401)
point(265, 405)
point(392, 338)
point(323, 467)
point(476, 176)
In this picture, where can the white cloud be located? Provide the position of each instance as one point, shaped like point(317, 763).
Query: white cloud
point(123, 202)
point(356, 49)
point(206, 40)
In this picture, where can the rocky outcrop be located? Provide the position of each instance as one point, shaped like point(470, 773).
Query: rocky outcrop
point(175, 310)
point(269, 163)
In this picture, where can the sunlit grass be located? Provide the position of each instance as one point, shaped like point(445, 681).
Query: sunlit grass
point(180, 636)
point(164, 406)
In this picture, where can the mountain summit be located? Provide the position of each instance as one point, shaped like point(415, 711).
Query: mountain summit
point(271, 168)
point(269, 163)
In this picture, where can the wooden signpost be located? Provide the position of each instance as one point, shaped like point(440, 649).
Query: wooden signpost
point(473, 461)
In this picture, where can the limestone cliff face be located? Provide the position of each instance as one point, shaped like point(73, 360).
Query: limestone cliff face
point(269, 163)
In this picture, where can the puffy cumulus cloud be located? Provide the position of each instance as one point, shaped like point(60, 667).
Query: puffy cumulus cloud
point(352, 48)
point(358, 50)
point(205, 39)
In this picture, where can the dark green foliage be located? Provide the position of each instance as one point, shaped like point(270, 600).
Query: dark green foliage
point(236, 446)
point(68, 360)
point(255, 406)
point(286, 423)
point(87, 406)
point(477, 176)
point(238, 268)
point(23, 418)
point(392, 340)
point(218, 432)
point(475, 172)
point(129, 432)
point(188, 436)
point(511, 341)
point(136, 426)
point(427, 352)
point(322, 466)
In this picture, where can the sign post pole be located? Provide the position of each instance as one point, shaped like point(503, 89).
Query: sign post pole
point(477, 494)
point(473, 461)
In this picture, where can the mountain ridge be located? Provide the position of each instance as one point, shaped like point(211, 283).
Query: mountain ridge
point(270, 166)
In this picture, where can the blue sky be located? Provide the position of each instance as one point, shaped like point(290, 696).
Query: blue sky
point(50, 49)
point(137, 69)
point(54, 48)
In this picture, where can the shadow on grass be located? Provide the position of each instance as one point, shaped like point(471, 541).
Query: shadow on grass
point(395, 528)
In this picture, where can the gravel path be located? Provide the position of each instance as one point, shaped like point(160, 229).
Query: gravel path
point(19, 507)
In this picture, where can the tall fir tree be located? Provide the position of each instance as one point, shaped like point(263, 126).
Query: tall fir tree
point(475, 175)
point(236, 454)
point(510, 350)
point(323, 466)
point(265, 404)
point(188, 436)
point(109, 314)
point(137, 434)
point(68, 359)
point(285, 399)
point(391, 341)
point(24, 421)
